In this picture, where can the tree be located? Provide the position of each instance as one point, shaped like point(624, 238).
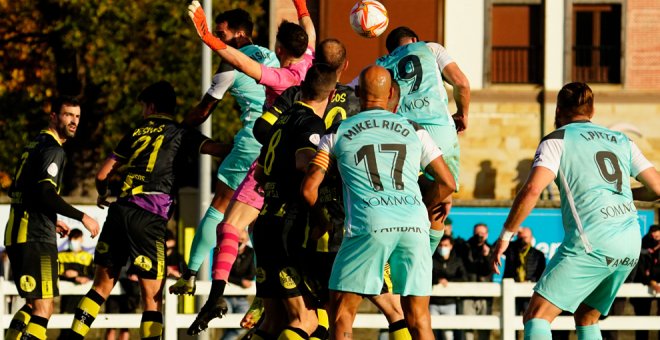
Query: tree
point(105, 52)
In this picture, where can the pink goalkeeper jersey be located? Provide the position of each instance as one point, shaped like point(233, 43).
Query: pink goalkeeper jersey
point(278, 79)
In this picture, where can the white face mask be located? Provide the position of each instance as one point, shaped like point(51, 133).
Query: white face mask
point(76, 245)
point(444, 251)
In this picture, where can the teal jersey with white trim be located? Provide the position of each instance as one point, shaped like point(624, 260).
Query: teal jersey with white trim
point(250, 95)
point(423, 97)
point(593, 166)
point(378, 155)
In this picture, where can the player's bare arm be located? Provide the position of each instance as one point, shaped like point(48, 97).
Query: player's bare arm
point(201, 111)
point(229, 54)
point(305, 21)
point(461, 92)
point(102, 176)
point(215, 149)
point(444, 183)
point(651, 189)
point(523, 204)
point(309, 188)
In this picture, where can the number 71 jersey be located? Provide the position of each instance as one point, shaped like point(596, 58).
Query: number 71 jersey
point(593, 166)
point(154, 153)
point(423, 96)
point(378, 155)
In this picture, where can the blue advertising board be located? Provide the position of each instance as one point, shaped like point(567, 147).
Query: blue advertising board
point(545, 224)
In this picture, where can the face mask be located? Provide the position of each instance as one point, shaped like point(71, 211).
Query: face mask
point(76, 245)
point(444, 251)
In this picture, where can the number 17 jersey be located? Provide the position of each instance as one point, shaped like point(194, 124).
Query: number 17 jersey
point(378, 155)
point(593, 166)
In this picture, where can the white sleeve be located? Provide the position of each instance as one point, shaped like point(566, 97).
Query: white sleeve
point(353, 82)
point(548, 154)
point(220, 83)
point(327, 143)
point(639, 162)
point(430, 151)
point(442, 58)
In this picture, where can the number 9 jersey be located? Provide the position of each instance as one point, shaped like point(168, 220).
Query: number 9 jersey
point(593, 180)
point(423, 96)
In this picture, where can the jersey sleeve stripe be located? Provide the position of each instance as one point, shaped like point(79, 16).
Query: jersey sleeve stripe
point(118, 156)
point(270, 117)
point(48, 180)
point(322, 159)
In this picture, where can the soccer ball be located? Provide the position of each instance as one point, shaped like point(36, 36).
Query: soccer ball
point(369, 18)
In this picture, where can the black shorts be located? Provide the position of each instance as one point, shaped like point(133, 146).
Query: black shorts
point(317, 267)
point(277, 245)
point(35, 268)
point(130, 231)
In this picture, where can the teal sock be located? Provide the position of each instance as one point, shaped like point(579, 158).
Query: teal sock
point(537, 329)
point(435, 236)
point(205, 238)
point(591, 332)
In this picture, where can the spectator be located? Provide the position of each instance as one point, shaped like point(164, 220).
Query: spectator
point(523, 263)
point(476, 261)
point(242, 273)
point(648, 273)
point(173, 260)
point(447, 267)
point(75, 265)
point(459, 244)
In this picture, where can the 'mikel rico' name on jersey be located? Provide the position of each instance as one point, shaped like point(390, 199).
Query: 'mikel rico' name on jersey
point(373, 123)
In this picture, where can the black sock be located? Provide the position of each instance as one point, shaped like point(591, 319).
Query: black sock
point(217, 289)
point(188, 273)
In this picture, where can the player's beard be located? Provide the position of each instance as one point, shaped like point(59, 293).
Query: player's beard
point(63, 130)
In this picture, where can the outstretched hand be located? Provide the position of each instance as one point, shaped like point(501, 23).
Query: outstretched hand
point(496, 255)
point(197, 15)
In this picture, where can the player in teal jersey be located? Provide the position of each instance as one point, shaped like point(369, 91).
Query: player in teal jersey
point(378, 155)
point(591, 166)
point(419, 68)
point(234, 27)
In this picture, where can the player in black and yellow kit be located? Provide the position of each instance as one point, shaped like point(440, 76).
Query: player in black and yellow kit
point(30, 235)
point(135, 227)
point(276, 235)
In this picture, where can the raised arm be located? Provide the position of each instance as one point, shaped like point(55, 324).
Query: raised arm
point(229, 54)
point(305, 21)
point(461, 91)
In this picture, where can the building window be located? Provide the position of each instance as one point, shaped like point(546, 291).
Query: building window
point(597, 43)
point(516, 44)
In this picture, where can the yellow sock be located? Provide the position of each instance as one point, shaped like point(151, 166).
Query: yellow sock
point(151, 326)
point(292, 333)
point(18, 323)
point(399, 331)
point(88, 309)
point(321, 331)
point(36, 329)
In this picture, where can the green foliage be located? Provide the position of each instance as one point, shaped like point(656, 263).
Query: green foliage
point(104, 51)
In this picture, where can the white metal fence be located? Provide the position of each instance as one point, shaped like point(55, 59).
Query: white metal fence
point(504, 319)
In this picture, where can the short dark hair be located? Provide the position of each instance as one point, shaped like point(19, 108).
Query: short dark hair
point(394, 38)
point(161, 94)
point(447, 237)
point(320, 80)
point(293, 38)
point(75, 233)
point(332, 52)
point(57, 103)
point(237, 20)
point(575, 99)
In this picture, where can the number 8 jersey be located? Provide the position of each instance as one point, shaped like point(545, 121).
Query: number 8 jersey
point(423, 96)
point(593, 180)
point(378, 155)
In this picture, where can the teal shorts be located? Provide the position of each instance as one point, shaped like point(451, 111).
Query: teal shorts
point(590, 278)
point(446, 139)
point(360, 262)
point(243, 153)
